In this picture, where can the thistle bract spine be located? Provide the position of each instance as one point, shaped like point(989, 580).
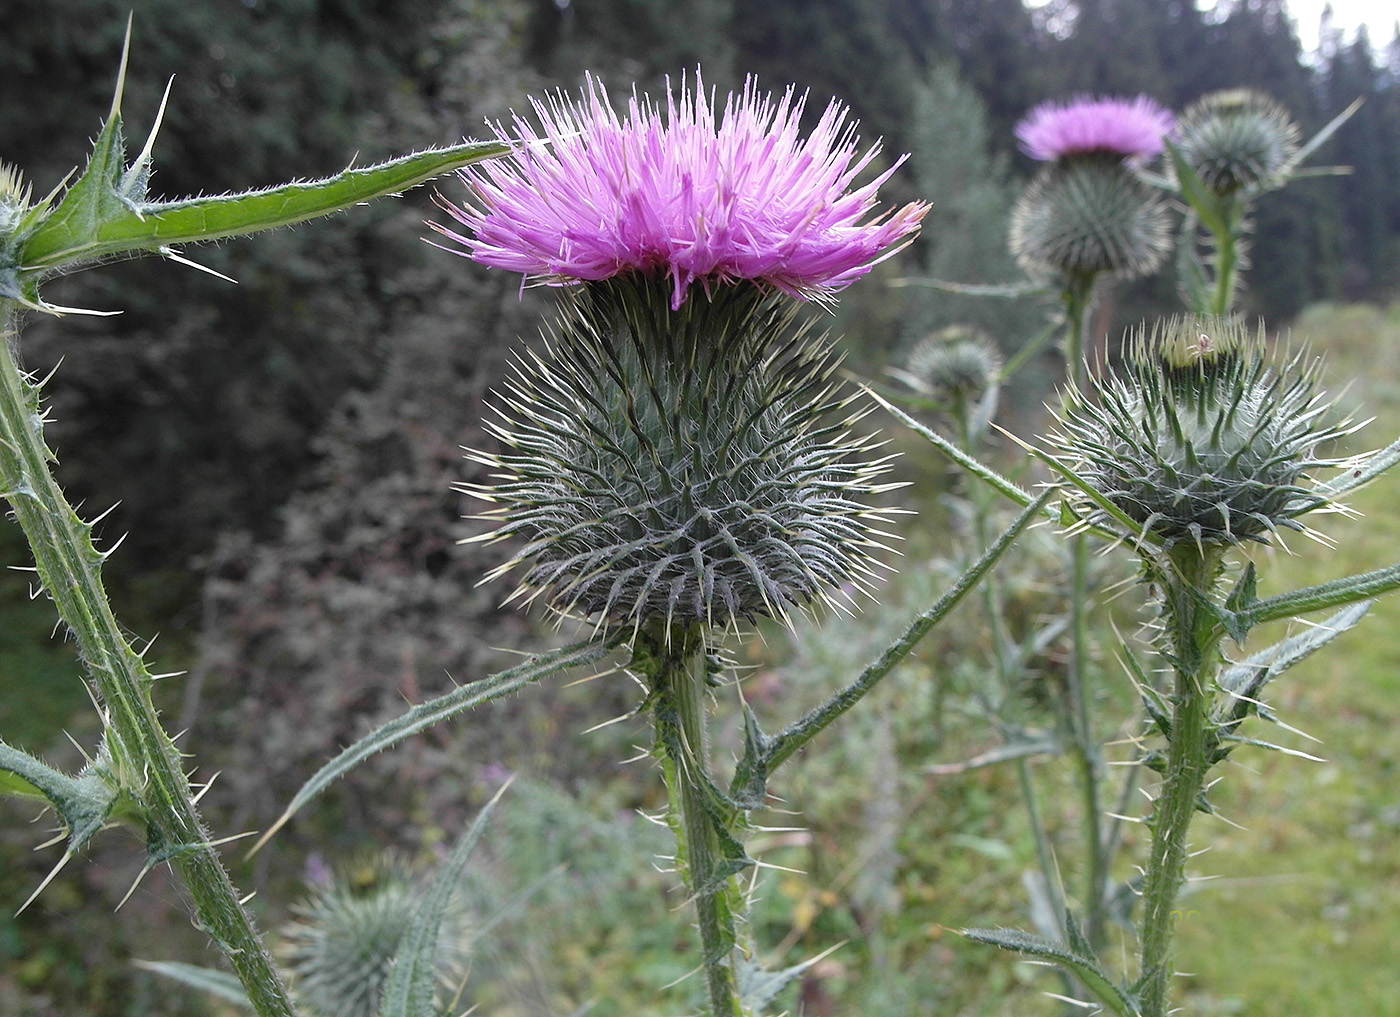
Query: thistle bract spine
point(692, 464)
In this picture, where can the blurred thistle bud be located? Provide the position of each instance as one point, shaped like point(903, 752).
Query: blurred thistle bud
point(691, 464)
point(955, 364)
point(1089, 215)
point(343, 940)
point(959, 369)
point(1237, 140)
point(1206, 437)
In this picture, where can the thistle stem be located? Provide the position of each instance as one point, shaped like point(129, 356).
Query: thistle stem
point(1227, 260)
point(1079, 299)
point(144, 759)
point(1194, 643)
point(678, 681)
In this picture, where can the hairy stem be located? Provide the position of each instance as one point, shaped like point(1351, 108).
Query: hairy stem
point(144, 759)
point(1194, 644)
point(1078, 300)
point(1227, 257)
point(676, 660)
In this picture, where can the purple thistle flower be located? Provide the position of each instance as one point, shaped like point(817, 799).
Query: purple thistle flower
point(685, 194)
point(1128, 128)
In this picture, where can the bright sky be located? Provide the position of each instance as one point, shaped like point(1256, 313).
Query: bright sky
point(1379, 17)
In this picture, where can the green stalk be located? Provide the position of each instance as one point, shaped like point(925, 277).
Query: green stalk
point(1078, 299)
point(1227, 258)
point(1193, 642)
point(679, 684)
point(144, 759)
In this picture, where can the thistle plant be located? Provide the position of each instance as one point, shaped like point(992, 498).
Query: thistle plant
point(1088, 214)
point(1208, 442)
point(1204, 445)
point(1231, 147)
point(679, 457)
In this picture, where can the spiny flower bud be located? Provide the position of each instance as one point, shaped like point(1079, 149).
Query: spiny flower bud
point(343, 941)
point(1205, 437)
point(954, 365)
point(1237, 140)
point(15, 197)
point(1089, 215)
point(692, 464)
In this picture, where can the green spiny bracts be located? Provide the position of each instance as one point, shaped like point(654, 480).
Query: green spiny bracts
point(1206, 437)
point(18, 218)
point(954, 365)
point(1089, 215)
point(344, 939)
point(693, 465)
point(1237, 140)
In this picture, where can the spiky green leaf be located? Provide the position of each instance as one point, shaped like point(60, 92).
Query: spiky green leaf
point(460, 699)
point(95, 219)
point(1250, 674)
point(412, 979)
point(1213, 210)
point(1336, 593)
point(1088, 970)
point(83, 803)
point(219, 984)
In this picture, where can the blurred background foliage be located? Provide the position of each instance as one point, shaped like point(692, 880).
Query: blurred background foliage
point(282, 452)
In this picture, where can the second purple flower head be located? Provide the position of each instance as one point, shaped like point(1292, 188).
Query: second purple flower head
point(1128, 128)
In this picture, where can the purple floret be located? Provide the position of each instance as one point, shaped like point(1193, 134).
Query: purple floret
point(1129, 128)
point(683, 193)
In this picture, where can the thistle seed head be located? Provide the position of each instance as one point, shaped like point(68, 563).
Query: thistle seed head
point(693, 464)
point(344, 939)
point(1089, 215)
point(1205, 436)
point(1237, 140)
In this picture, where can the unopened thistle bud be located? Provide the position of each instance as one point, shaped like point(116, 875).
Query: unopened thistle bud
point(1205, 437)
point(15, 197)
point(693, 465)
point(1237, 140)
point(344, 939)
point(955, 365)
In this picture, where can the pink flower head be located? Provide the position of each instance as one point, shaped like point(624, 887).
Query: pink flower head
point(1129, 128)
point(685, 194)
